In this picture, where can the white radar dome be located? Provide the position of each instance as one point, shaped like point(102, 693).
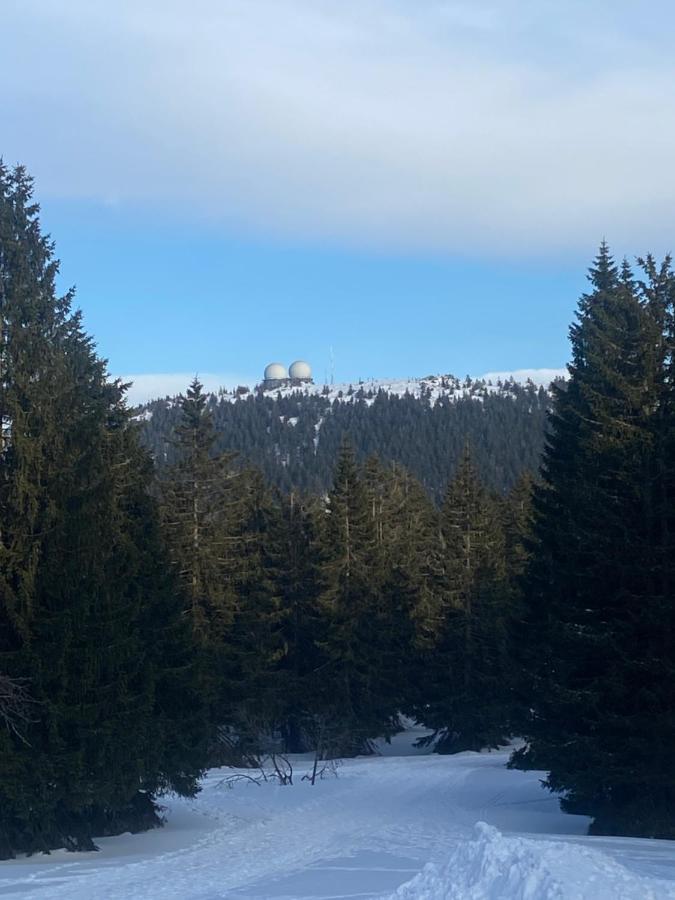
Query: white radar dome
point(300, 370)
point(275, 372)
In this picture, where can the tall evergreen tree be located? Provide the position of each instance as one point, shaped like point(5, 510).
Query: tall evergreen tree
point(218, 518)
point(292, 565)
point(468, 702)
point(254, 646)
point(517, 517)
point(351, 690)
point(517, 512)
point(75, 514)
point(203, 512)
point(407, 573)
point(599, 614)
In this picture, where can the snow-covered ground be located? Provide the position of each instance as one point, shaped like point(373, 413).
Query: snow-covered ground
point(402, 825)
point(432, 387)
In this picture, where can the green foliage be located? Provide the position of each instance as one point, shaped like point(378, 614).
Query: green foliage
point(202, 514)
point(146, 611)
point(467, 699)
point(352, 691)
point(220, 522)
point(600, 610)
point(292, 561)
point(295, 440)
point(81, 561)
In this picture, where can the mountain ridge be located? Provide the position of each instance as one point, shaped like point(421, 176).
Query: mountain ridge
point(292, 433)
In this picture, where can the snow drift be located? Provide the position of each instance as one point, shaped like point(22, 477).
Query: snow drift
point(493, 867)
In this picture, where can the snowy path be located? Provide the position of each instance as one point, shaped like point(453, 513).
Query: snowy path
point(392, 826)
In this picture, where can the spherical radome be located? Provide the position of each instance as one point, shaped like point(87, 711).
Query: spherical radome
point(300, 369)
point(275, 372)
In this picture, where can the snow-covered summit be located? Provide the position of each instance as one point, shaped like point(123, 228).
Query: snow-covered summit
point(431, 388)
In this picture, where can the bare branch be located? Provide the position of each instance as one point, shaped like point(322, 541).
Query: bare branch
point(15, 702)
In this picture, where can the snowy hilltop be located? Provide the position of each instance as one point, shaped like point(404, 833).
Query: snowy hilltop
point(292, 432)
point(430, 388)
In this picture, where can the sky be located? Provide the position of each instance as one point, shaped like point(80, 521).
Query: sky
point(405, 187)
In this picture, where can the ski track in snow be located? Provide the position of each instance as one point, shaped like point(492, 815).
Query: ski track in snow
point(395, 826)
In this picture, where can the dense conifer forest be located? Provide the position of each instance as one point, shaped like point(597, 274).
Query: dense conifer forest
point(156, 619)
point(294, 440)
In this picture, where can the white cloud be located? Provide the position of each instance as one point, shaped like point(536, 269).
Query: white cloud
point(514, 127)
point(162, 384)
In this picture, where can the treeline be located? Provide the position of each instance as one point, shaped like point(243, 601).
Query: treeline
point(294, 440)
point(323, 619)
point(155, 621)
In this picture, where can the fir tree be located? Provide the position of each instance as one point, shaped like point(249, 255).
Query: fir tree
point(292, 565)
point(468, 695)
point(254, 646)
point(351, 693)
point(599, 612)
point(203, 512)
point(71, 601)
point(407, 575)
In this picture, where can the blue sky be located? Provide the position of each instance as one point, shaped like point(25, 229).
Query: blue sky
point(417, 184)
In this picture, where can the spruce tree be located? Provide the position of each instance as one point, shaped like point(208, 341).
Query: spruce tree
point(71, 595)
point(254, 645)
point(218, 517)
point(293, 568)
point(468, 702)
point(407, 571)
point(599, 612)
point(517, 515)
point(517, 518)
point(351, 693)
point(203, 511)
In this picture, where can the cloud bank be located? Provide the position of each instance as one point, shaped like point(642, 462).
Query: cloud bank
point(423, 125)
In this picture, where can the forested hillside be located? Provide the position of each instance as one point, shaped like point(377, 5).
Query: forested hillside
point(158, 619)
point(293, 437)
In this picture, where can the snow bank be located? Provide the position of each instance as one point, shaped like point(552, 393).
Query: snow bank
point(494, 867)
point(385, 820)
